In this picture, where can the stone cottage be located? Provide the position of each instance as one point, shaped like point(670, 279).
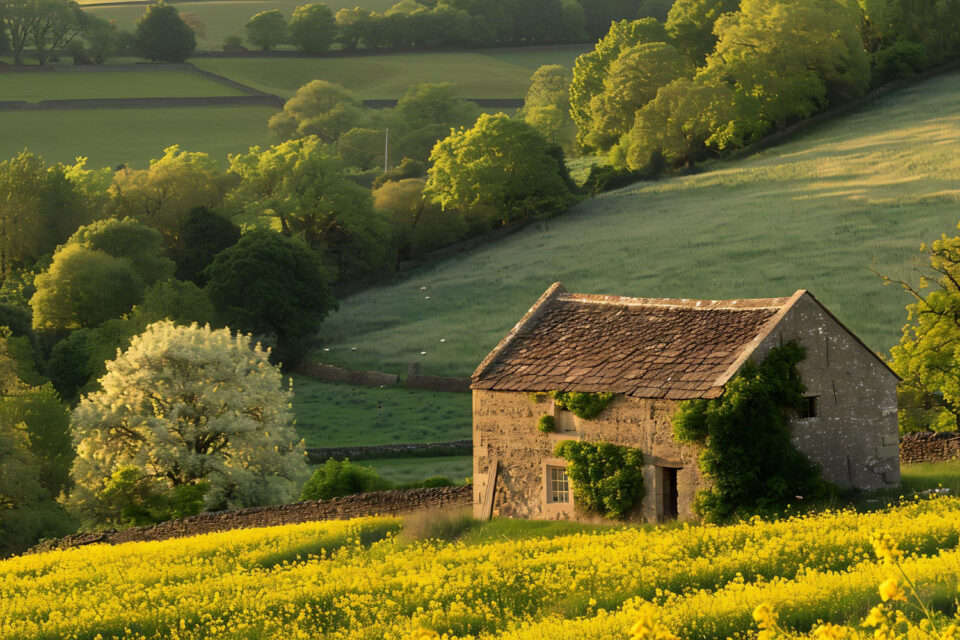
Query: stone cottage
point(654, 353)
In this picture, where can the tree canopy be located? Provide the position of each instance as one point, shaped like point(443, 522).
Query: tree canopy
point(267, 29)
point(312, 28)
point(188, 419)
point(162, 36)
point(319, 108)
point(271, 285)
point(500, 163)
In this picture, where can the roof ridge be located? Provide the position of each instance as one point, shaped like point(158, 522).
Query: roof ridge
point(732, 304)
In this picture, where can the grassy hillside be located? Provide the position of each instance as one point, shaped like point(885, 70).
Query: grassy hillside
point(360, 580)
point(67, 85)
point(341, 415)
point(223, 18)
point(109, 137)
point(817, 213)
point(495, 74)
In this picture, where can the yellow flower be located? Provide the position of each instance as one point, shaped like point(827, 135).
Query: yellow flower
point(424, 634)
point(890, 590)
point(765, 616)
point(876, 617)
point(829, 631)
point(886, 548)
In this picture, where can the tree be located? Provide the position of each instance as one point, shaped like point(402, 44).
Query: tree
point(302, 184)
point(319, 108)
point(130, 240)
point(590, 69)
point(38, 412)
point(690, 25)
point(549, 86)
point(271, 285)
point(421, 225)
point(928, 356)
point(600, 13)
point(39, 208)
point(793, 56)
point(57, 23)
point(83, 288)
point(163, 195)
point(18, 16)
point(162, 36)
point(362, 148)
point(631, 81)
point(687, 121)
point(500, 163)
point(267, 29)
point(27, 510)
point(312, 27)
point(201, 236)
point(351, 26)
point(101, 36)
point(435, 104)
point(98, 274)
point(188, 418)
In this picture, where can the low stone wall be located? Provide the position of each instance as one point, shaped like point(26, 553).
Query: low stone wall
point(414, 450)
point(928, 446)
point(330, 373)
point(415, 380)
point(366, 504)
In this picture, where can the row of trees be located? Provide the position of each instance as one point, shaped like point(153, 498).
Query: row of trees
point(48, 28)
point(447, 23)
point(719, 74)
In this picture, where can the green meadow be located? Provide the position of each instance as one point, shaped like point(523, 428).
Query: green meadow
point(341, 415)
point(71, 85)
point(401, 470)
point(501, 73)
point(221, 18)
point(109, 137)
point(856, 193)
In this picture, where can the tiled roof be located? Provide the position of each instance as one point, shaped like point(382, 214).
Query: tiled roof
point(642, 347)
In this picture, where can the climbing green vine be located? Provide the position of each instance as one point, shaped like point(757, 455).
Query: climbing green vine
point(580, 403)
point(746, 452)
point(607, 479)
point(546, 424)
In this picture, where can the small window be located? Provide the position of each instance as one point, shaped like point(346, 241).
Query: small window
point(808, 407)
point(558, 486)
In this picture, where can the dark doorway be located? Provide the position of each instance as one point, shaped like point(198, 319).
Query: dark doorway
point(668, 477)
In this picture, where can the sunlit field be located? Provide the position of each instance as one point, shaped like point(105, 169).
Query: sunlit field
point(401, 470)
point(222, 18)
point(861, 191)
point(340, 415)
point(66, 85)
point(367, 579)
point(109, 137)
point(495, 74)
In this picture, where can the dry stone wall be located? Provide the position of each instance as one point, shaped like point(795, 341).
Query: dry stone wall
point(928, 446)
point(367, 504)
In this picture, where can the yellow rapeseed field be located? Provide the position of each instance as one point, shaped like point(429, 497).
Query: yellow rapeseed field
point(359, 580)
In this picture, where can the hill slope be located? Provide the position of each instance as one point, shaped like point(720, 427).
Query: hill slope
point(815, 213)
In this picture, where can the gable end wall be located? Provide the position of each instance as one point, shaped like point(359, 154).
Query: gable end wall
point(854, 437)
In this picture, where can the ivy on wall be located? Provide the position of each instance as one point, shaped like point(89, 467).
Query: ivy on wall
point(747, 452)
point(546, 424)
point(582, 404)
point(607, 479)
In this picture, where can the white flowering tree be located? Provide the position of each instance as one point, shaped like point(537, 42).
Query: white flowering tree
point(187, 419)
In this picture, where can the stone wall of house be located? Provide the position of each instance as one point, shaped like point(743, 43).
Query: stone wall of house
point(505, 431)
point(365, 504)
point(854, 436)
point(928, 446)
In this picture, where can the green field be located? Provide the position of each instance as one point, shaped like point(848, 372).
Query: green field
point(817, 213)
point(494, 74)
point(225, 18)
point(67, 85)
point(400, 470)
point(109, 137)
point(341, 415)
